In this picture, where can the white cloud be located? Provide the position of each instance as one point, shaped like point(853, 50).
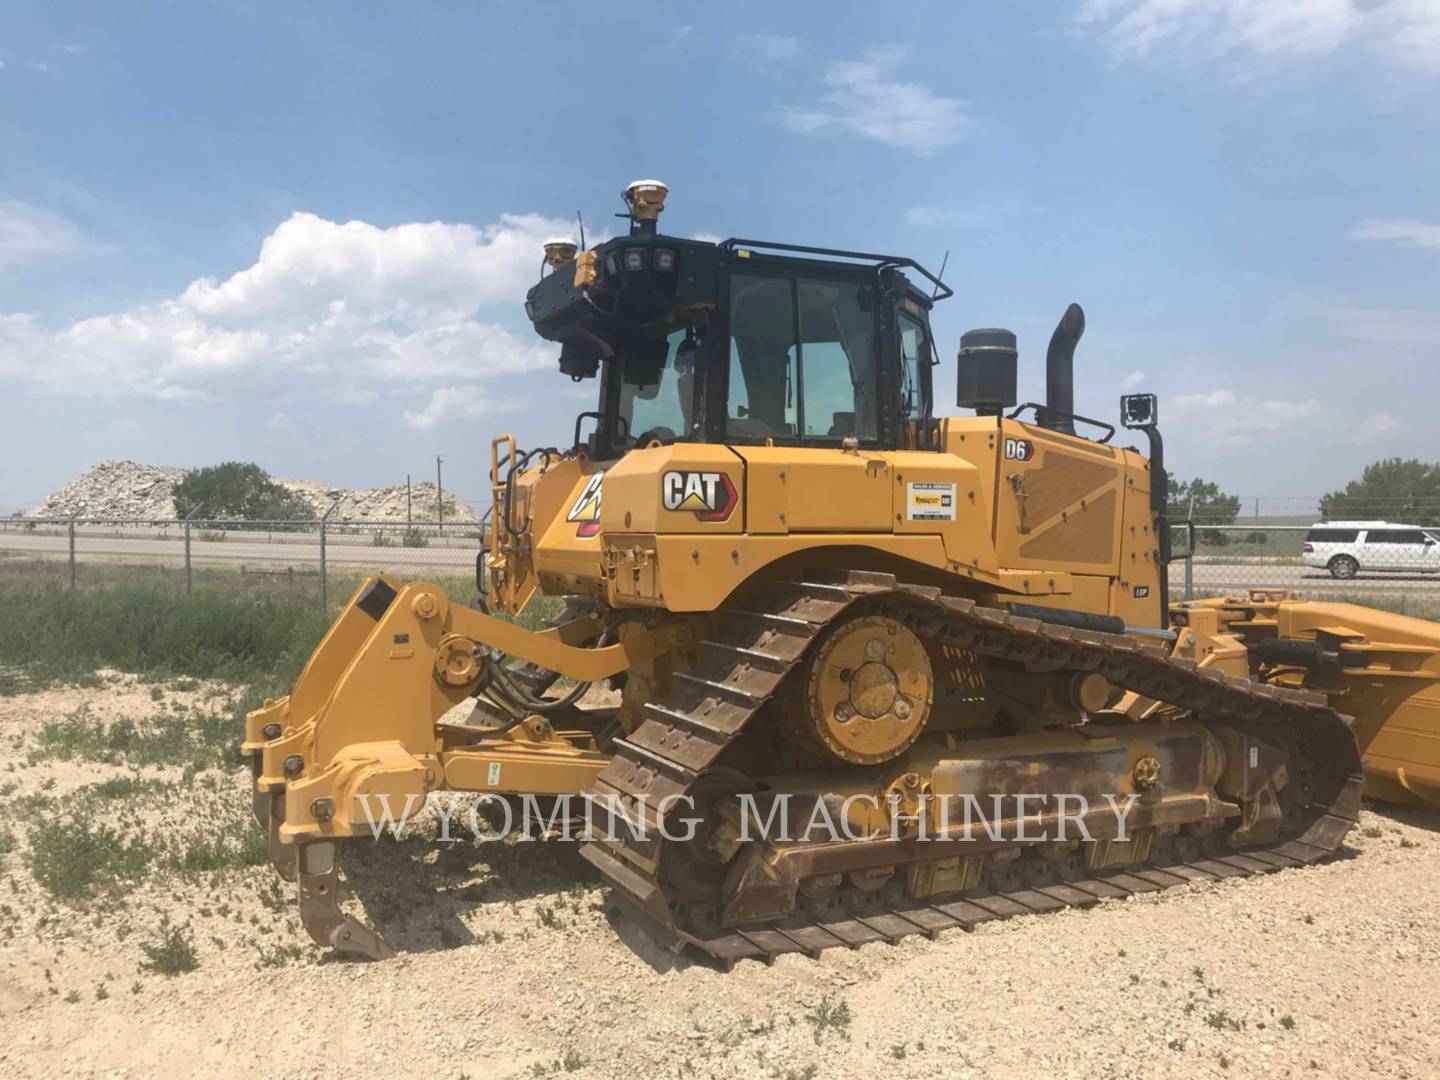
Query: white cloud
point(1376, 428)
point(1406, 31)
point(1235, 420)
point(1131, 381)
point(1215, 399)
point(861, 99)
point(347, 306)
point(1400, 230)
point(706, 237)
point(467, 400)
point(31, 232)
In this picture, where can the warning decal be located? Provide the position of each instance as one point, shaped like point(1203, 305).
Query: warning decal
point(930, 502)
point(586, 511)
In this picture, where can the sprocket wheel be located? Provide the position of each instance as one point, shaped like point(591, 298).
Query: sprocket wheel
point(869, 691)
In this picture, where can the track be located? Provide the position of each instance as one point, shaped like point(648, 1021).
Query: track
point(741, 669)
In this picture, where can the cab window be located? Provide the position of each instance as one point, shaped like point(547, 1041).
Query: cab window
point(663, 407)
point(837, 360)
point(802, 359)
point(914, 353)
point(762, 357)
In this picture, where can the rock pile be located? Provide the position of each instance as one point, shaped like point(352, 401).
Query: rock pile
point(126, 489)
point(120, 489)
point(379, 504)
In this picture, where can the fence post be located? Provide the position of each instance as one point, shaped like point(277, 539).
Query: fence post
point(324, 599)
point(1190, 575)
point(191, 516)
point(70, 528)
point(324, 584)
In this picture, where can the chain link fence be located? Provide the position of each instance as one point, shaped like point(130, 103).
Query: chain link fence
point(320, 563)
point(1380, 564)
point(310, 563)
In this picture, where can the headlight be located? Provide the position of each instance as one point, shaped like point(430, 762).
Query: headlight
point(664, 260)
point(634, 258)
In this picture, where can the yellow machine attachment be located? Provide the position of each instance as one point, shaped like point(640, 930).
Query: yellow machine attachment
point(374, 724)
point(1381, 668)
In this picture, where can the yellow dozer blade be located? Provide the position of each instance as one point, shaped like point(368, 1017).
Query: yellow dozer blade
point(1381, 668)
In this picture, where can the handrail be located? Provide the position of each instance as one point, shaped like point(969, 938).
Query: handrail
point(944, 292)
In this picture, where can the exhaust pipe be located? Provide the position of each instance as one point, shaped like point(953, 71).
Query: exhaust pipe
point(1060, 371)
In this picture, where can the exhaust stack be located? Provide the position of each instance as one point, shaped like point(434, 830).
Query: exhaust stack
point(1060, 371)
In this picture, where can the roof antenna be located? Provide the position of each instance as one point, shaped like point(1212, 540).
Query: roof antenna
point(581, 220)
point(940, 276)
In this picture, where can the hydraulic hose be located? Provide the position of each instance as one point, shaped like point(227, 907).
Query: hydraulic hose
point(500, 680)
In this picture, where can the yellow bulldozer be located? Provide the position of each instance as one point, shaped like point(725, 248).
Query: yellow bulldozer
point(821, 602)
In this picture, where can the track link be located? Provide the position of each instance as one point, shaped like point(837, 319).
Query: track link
point(758, 645)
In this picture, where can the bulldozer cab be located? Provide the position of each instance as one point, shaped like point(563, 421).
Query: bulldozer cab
point(792, 352)
point(742, 343)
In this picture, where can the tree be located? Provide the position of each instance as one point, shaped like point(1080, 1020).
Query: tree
point(1389, 490)
point(238, 489)
point(1201, 502)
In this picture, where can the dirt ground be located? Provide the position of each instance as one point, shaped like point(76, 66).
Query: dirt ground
point(513, 965)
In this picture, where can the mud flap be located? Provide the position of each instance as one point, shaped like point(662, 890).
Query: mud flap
point(319, 875)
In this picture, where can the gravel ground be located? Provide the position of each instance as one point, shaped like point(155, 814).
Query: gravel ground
point(514, 965)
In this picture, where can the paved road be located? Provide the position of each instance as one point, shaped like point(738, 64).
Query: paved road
point(456, 555)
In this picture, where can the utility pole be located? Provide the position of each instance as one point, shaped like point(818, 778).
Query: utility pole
point(408, 519)
point(439, 494)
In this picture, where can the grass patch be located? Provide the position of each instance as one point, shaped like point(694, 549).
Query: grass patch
point(197, 739)
point(72, 860)
point(233, 851)
point(55, 634)
point(173, 953)
point(830, 1015)
point(279, 955)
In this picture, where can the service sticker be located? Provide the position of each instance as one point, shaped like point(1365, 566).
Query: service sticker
point(928, 501)
point(492, 776)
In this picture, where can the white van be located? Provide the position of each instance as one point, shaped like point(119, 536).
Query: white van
point(1347, 547)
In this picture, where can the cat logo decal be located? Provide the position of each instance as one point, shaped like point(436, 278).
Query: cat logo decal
point(709, 495)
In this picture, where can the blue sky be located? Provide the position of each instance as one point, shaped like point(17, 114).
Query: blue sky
point(300, 234)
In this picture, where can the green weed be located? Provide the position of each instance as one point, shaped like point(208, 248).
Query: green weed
point(72, 860)
point(172, 953)
point(830, 1015)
